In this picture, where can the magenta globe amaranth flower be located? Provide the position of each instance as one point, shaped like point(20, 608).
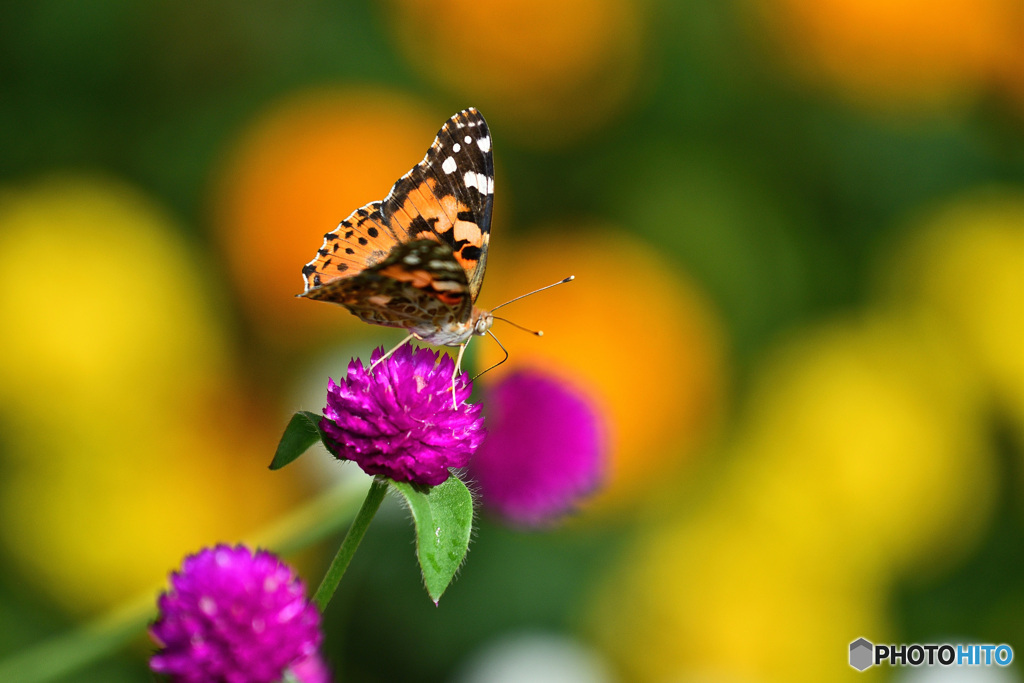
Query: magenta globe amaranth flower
point(545, 449)
point(235, 616)
point(399, 420)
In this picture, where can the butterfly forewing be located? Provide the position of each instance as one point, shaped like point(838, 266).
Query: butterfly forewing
point(450, 194)
point(416, 259)
point(361, 240)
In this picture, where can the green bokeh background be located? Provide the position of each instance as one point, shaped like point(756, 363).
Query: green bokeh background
point(805, 191)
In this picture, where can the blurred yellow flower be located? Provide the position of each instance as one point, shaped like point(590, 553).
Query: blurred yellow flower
point(859, 455)
point(897, 53)
point(878, 426)
point(97, 298)
point(553, 70)
point(129, 444)
point(296, 171)
point(104, 512)
point(645, 344)
point(718, 597)
point(964, 269)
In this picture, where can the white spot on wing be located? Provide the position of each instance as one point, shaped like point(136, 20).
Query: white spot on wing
point(446, 285)
point(437, 264)
point(456, 147)
point(468, 139)
point(484, 143)
point(481, 182)
point(449, 165)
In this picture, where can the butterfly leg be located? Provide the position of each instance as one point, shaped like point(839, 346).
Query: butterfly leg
point(458, 368)
point(390, 353)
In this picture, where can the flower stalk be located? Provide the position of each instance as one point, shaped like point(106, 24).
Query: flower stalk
point(348, 547)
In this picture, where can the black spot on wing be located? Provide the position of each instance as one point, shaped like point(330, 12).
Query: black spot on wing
point(420, 225)
point(471, 253)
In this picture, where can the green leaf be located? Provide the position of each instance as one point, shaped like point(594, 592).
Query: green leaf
point(303, 431)
point(444, 519)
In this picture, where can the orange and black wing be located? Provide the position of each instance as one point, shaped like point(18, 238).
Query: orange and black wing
point(445, 199)
point(449, 195)
point(418, 285)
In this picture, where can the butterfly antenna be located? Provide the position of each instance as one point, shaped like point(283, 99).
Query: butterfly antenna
point(539, 333)
point(499, 362)
point(523, 296)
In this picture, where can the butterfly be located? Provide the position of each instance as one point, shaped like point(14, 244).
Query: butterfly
point(416, 259)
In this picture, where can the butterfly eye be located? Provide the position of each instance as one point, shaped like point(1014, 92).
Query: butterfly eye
point(483, 323)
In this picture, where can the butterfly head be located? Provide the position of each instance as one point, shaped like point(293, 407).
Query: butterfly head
point(481, 321)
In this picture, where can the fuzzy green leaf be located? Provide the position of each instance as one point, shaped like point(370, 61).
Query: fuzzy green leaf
point(303, 431)
point(443, 515)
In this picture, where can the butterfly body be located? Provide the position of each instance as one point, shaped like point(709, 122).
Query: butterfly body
point(416, 259)
point(456, 334)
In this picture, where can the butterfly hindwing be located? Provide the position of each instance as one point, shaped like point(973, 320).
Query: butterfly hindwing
point(419, 283)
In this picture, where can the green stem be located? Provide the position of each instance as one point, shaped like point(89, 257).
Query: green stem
point(355, 534)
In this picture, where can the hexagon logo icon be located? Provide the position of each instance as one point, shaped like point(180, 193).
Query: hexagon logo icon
point(861, 654)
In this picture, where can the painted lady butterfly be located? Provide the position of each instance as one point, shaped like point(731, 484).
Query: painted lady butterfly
point(416, 259)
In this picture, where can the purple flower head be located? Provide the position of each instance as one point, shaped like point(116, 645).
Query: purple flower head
point(234, 616)
point(399, 420)
point(544, 450)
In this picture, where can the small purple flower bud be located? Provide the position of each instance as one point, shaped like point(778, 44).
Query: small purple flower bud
point(545, 449)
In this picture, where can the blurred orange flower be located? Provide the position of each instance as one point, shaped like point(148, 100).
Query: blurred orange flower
point(299, 169)
point(648, 348)
point(909, 52)
point(1011, 76)
point(554, 70)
